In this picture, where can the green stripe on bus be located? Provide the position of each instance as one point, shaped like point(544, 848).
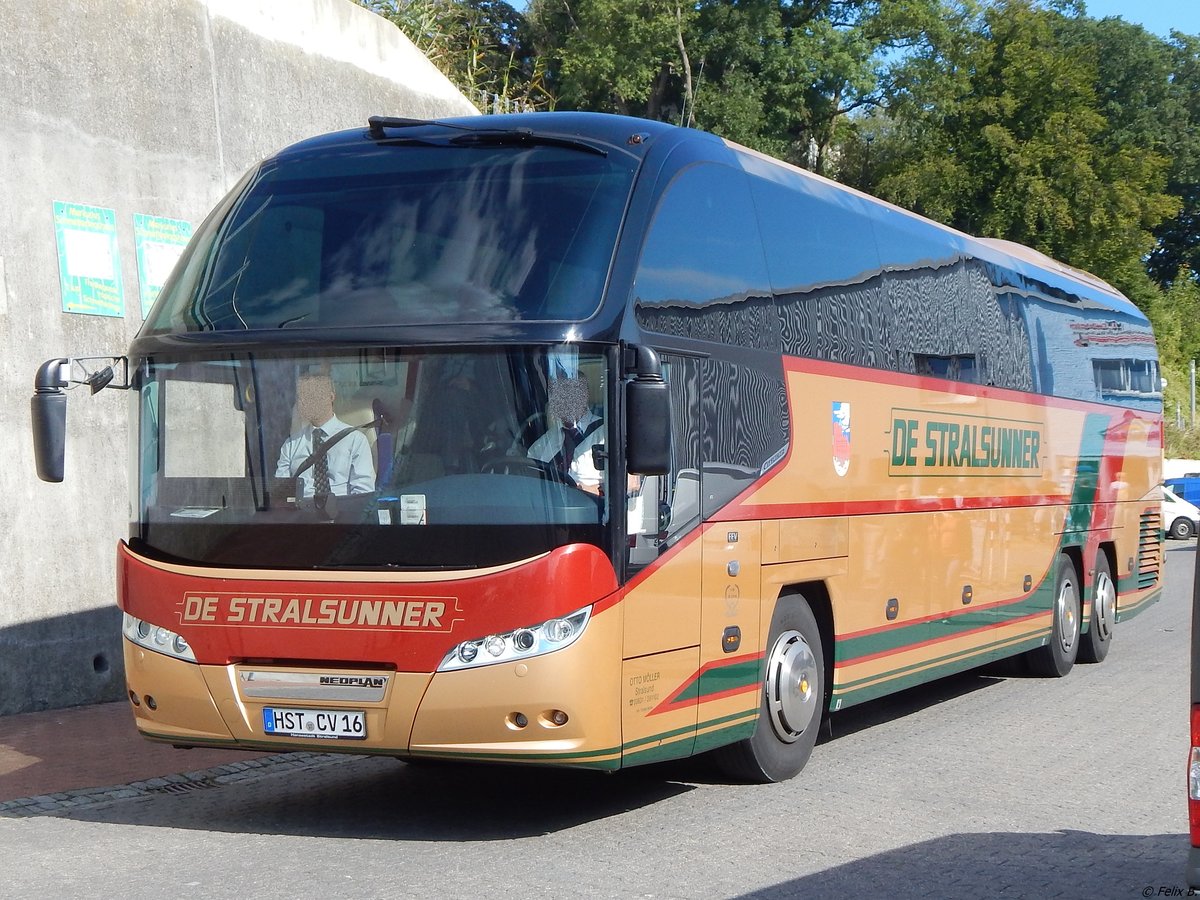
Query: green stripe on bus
point(728, 735)
point(721, 678)
point(844, 698)
point(1125, 613)
point(347, 747)
point(741, 724)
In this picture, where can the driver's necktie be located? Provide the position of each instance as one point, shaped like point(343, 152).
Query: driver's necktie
point(321, 466)
point(571, 438)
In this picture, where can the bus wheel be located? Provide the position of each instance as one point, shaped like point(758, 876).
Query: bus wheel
point(1095, 644)
point(791, 703)
point(1056, 658)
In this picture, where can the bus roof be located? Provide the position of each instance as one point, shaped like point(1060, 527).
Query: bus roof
point(640, 137)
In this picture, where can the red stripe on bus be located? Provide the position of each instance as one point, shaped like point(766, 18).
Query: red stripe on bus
point(741, 512)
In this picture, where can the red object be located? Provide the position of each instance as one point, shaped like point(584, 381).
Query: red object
point(405, 625)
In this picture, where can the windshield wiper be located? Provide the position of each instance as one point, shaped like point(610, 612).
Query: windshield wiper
point(499, 137)
point(524, 137)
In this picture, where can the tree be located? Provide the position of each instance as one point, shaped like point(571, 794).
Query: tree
point(621, 56)
point(1001, 132)
point(1179, 236)
point(783, 76)
point(482, 46)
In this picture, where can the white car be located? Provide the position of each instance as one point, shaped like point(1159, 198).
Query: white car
point(1181, 519)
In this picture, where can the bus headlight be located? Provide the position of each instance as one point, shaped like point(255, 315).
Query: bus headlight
point(520, 643)
point(157, 638)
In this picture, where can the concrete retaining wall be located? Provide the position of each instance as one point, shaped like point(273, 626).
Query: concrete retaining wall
point(151, 107)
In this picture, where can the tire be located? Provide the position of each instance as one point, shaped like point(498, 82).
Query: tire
point(791, 703)
point(1182, 529)
point(1055, 659)
point(1094, 645)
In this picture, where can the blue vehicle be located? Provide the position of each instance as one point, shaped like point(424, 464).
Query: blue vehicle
point(1187, 488)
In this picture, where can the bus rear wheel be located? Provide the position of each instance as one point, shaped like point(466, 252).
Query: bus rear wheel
point(1056, 658)
point(1095, 644)
point(791, 703)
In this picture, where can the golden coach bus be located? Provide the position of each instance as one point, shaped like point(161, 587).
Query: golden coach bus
point(590, 441)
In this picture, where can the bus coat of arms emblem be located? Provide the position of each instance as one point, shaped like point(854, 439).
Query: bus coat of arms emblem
point(841, 437)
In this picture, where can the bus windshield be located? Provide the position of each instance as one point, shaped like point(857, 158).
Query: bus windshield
point(380, 458)
point(405, 233)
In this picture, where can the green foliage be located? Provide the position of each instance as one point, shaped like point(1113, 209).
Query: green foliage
point(621, 56)
point(1179, 237)
point(1004, 133)
point(1175, 314)
point(482, 46)
point(1019, 119)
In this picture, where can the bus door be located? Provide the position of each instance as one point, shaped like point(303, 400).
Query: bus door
point(730, 656)
point(662, 607)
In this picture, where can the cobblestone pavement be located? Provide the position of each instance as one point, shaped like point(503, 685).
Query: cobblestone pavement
point(987, 784)
point(88, 748)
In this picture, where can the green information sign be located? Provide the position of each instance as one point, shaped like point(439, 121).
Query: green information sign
point(159, 243)
point(89, 266)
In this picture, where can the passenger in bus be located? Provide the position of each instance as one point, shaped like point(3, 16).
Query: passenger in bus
point(346, 466)
point(574, 430)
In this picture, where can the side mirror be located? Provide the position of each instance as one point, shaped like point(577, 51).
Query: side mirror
point(48, 408)
point(648, 417)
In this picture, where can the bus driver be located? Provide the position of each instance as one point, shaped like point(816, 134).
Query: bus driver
point(346, 467)
point(574, 430)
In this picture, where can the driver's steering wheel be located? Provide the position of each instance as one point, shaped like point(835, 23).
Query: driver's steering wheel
point(527, 466)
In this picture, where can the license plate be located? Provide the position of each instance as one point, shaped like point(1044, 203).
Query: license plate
point(329, 724)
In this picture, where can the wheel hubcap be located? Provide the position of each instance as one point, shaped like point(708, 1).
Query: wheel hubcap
point(1068, 615)
point(792, 686)
point(1104, 607)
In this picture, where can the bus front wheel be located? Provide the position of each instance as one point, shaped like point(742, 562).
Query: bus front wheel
point(1056, 658)
point(1095, 644)
point(791, 703)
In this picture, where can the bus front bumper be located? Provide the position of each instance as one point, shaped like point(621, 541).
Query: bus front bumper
point(559, 709)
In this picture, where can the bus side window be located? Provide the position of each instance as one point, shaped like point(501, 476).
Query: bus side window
point(666, 507)
point(702, 276)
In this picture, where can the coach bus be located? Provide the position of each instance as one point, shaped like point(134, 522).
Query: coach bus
point(832, 450)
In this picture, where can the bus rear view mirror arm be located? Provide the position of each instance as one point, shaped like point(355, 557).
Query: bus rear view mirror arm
point(48, 406)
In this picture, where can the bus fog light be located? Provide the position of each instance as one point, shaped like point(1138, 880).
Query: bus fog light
point(519, 719)
point(524, 640)
point(558, 717)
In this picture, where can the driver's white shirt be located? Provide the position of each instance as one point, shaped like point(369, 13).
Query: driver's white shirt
point(583, 468)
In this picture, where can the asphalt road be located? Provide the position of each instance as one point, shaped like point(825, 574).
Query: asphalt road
point(987, 784)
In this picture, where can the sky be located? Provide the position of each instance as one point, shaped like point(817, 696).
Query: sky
point(1156, 16)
